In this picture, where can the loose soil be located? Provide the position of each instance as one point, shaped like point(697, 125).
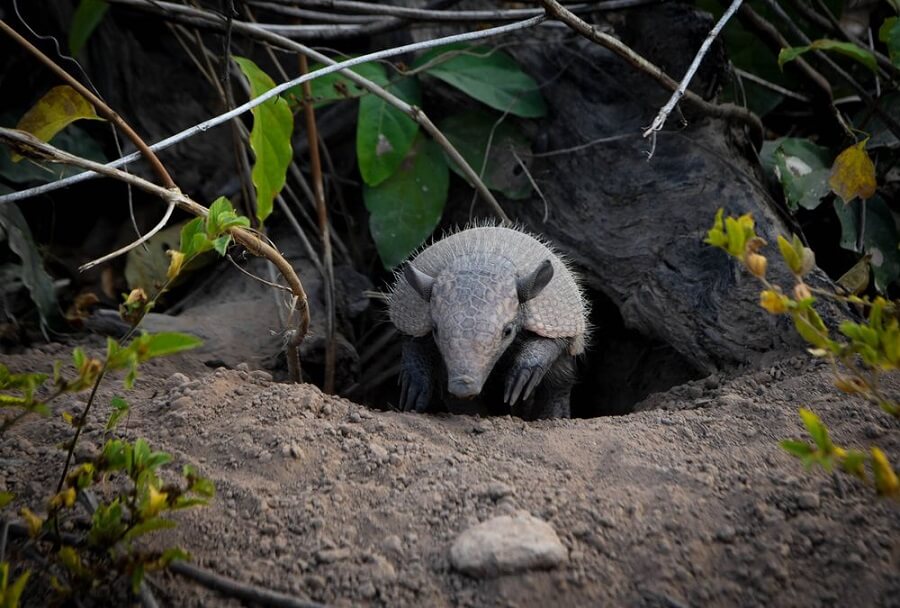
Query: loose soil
point(687, 503)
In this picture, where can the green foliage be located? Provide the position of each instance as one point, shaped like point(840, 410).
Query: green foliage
point(879, 239)
point(87, 17)
point(488, 75)
point(802, 168)
point(394, 163)
point(849, 49)
point(270, 139)
point(405, 208)
point(871, 347)
point(476, 134)
point(384, 134)
point(11, 592)
point(889, 33)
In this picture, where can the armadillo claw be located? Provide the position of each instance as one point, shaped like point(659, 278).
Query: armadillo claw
point(522, 384)
point(413, 394)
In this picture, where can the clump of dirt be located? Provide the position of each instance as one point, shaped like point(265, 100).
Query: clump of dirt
point(322, 498)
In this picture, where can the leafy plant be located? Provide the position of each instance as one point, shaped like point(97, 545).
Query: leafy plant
point(404, 175)
point(864, 350)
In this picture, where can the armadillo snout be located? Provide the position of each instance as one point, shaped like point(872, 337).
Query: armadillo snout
point(464, 387)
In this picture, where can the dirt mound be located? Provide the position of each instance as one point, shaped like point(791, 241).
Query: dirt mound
point(325, 499)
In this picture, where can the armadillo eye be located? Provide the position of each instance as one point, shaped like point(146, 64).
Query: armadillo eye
point(507, 331)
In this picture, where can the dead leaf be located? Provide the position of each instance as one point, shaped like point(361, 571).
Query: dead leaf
point(53, 112)
point(853, 173)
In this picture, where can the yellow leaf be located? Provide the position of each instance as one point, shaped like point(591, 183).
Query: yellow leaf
point(756, 264)
point(773, 301)
point(175, 264)
point(856, 280)
point(886, 481)
point(853, 173)
point(53, 112)
point(33, 522)
point(155, 501)
point(66, 498)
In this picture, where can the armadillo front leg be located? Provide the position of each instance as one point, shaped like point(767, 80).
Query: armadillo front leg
point(418, 373)
point(534, 358)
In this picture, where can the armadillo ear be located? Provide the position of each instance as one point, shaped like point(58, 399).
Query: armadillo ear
point(419, 281)
point(531, 285)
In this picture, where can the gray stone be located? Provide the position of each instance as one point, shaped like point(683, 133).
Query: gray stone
point(507, 544)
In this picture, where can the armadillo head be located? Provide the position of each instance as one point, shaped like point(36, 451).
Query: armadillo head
point(475, 313)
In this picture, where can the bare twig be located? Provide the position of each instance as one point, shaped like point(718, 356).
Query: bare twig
point(242, 591)
point(28, 145)
point(409, 13)
point(143, 239)
point(660, 119)
point(315, 165)
point(583, 28)
point(743, 74)
point(250, 29)
point(98, 103)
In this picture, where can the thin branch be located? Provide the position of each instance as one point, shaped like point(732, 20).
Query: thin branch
point(771, 86)
point(27, 145)
point(251, 30)
point(98, 103)
point(242, 591)
point(583, 28)
point(371, 9)
point(143, 239)
point(660, 119)
point(315, 165)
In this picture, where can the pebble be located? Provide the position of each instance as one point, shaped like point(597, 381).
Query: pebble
point(392, 545)
point(261, 374)
point(726, 534)
point(379, 453)
point(182, 403)
point(327, 556)
point(808, 500)
point(177, 379)
point(506, 545)
point(495, 490)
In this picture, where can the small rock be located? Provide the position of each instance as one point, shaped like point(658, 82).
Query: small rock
point(379, 453)
point(392, 545)
point(367, 590)
point(480, 428)
point(355, 417)
point(242, 367)
point(507, 544)
point(177, 379)
point(314, 582)
point(328, 556)
point(808, 500)
point(694, 391)
point(182, 403)
point(726, 534)
point(496, 490)
point(261, 374)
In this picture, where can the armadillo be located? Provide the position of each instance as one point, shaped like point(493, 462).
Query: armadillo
point(493, 313)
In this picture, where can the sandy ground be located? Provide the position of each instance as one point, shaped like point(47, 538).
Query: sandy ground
point(688, 503)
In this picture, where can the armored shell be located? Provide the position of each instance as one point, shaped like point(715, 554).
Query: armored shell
point(559, 311)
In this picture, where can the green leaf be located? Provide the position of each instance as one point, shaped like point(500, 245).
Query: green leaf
point(60, 107)
point(157, 459)
point(87, 17)
point(488, 75)
point(849, 49)
point(151, 525)
point(6, 498)
point(167, 343)
point(193, 238)
point(13, 594)
point(336, 87)
point(107, 526)
point(384, 134)
point(803, 169)
point(471, 132)
point(31, 272)
point(889, 34)
point(270, 139)
point(880, 239)
point(405, 209)
point(222, 217)
point(137, 577)
point(801, 449)
point(120, 408)
point(817, 430)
